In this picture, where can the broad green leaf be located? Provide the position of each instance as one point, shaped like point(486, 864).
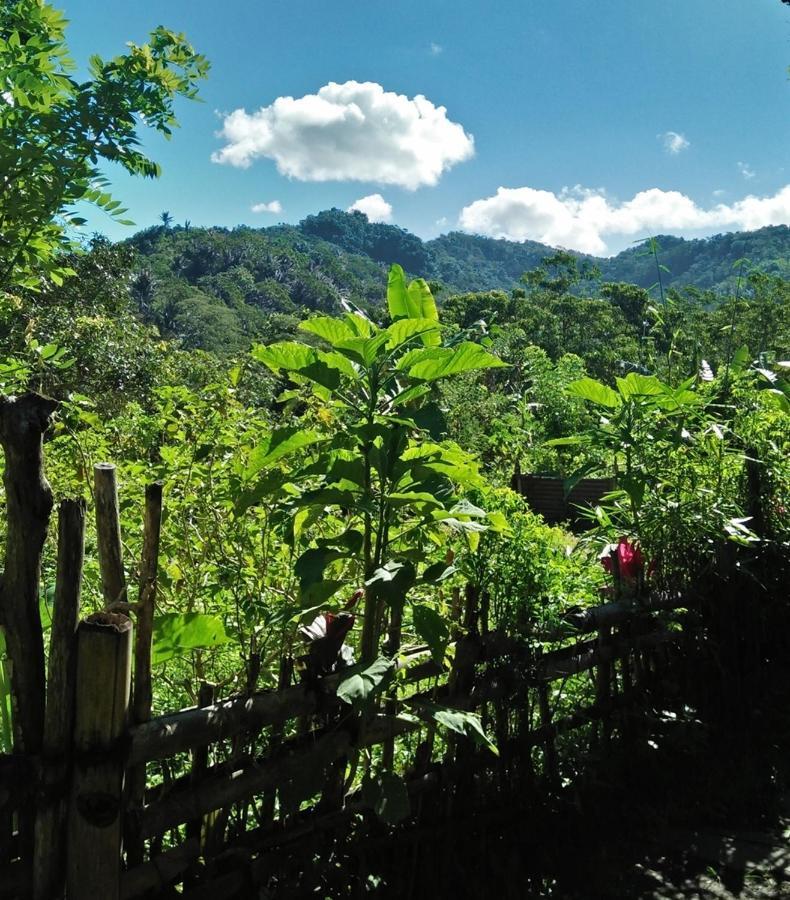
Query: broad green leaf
point(405, 329)
point(177, 633)
point(361, 326)
point(288, 355)
point(329, 328)
point(387, 796)
point(595, 392)
point(432, 628)
point(740, 359)
point(298, 360)
point(279, 444)
point(310, 566)
point(359, 686)
point(636, 385)
point(392, 582)
point(457, 720)
point(317, 594)
point(397, 296)
point(466, 357)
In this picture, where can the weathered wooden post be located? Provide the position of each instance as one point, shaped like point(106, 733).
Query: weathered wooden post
point(23, 421)
point(108, 534)
point(146, 604)
point(149, 563)
point(50, 833)
point(104, 656)
point(603, 683)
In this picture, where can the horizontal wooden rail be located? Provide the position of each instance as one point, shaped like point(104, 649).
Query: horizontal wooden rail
point(220, 788)
point(589, 619)
point(190, 728)
point(588, 655)
point(195, 727)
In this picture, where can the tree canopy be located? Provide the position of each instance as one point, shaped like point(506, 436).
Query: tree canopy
point(58, 130)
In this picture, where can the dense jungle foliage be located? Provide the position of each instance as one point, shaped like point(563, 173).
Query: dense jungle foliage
point(326, 426)
point(215, 288)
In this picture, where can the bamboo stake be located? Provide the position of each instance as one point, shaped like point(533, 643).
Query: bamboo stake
point(50, 836)
point(603, 681)
point(200, 764)
point(141, 708)
point(142, 693)
point(104, 658)
point(108, 534)
point(551, 760)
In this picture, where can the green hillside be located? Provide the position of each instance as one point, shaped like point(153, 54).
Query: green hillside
point(217, 288)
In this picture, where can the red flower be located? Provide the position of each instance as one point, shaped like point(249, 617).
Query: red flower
point(630, 561)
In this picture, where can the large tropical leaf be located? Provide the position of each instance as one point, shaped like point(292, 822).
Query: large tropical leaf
point(397, 294)
point(331, 329)
point(406, 329)
point(595, 392)
point(360, 685)
point(636, 385)
point(461, 722)
point(387, 796)
point(437, 363)
point(277, 445)
point(177, 633)
point(432, 628)
point(299, 360)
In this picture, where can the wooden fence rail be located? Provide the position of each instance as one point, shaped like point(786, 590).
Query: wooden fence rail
point(86, 806)
point(106, 745)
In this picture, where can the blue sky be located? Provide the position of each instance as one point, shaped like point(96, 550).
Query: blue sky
point(601, 122)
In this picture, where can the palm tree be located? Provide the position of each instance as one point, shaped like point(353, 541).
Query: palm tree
point(167, 219)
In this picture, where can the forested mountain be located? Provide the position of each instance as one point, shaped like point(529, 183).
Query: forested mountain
point(217, 288)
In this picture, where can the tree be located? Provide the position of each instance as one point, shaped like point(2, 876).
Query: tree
point(56, 131)
point(166, 219)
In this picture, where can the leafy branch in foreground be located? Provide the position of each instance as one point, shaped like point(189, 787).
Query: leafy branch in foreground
point(56, 130)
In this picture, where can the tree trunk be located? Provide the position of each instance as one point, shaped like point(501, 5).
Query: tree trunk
point(50, 833)
point(23, 421)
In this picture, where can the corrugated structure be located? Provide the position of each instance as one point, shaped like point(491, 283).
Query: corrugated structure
point(545, 494)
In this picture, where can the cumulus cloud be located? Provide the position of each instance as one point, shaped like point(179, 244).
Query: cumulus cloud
point(274, 206)
point(348, 132)
point(375, 208)
point(746, 170)
point(435, 48)
point(583, 220)
point(674, 142)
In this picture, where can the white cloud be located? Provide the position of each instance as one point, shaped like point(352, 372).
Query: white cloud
point(375, 208)
point(583, 220)
point(746, 170)
point(348, 132)
point(435, 48)
point(274, 206)
point(674, 142)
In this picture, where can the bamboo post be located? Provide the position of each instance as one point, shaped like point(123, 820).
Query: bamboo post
point(50, 833)
point(551, 760)
point(603, 684)
point(104, 655)
point(149, 563)
point(206, 696)
point(142, 693)
point(108, 534)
